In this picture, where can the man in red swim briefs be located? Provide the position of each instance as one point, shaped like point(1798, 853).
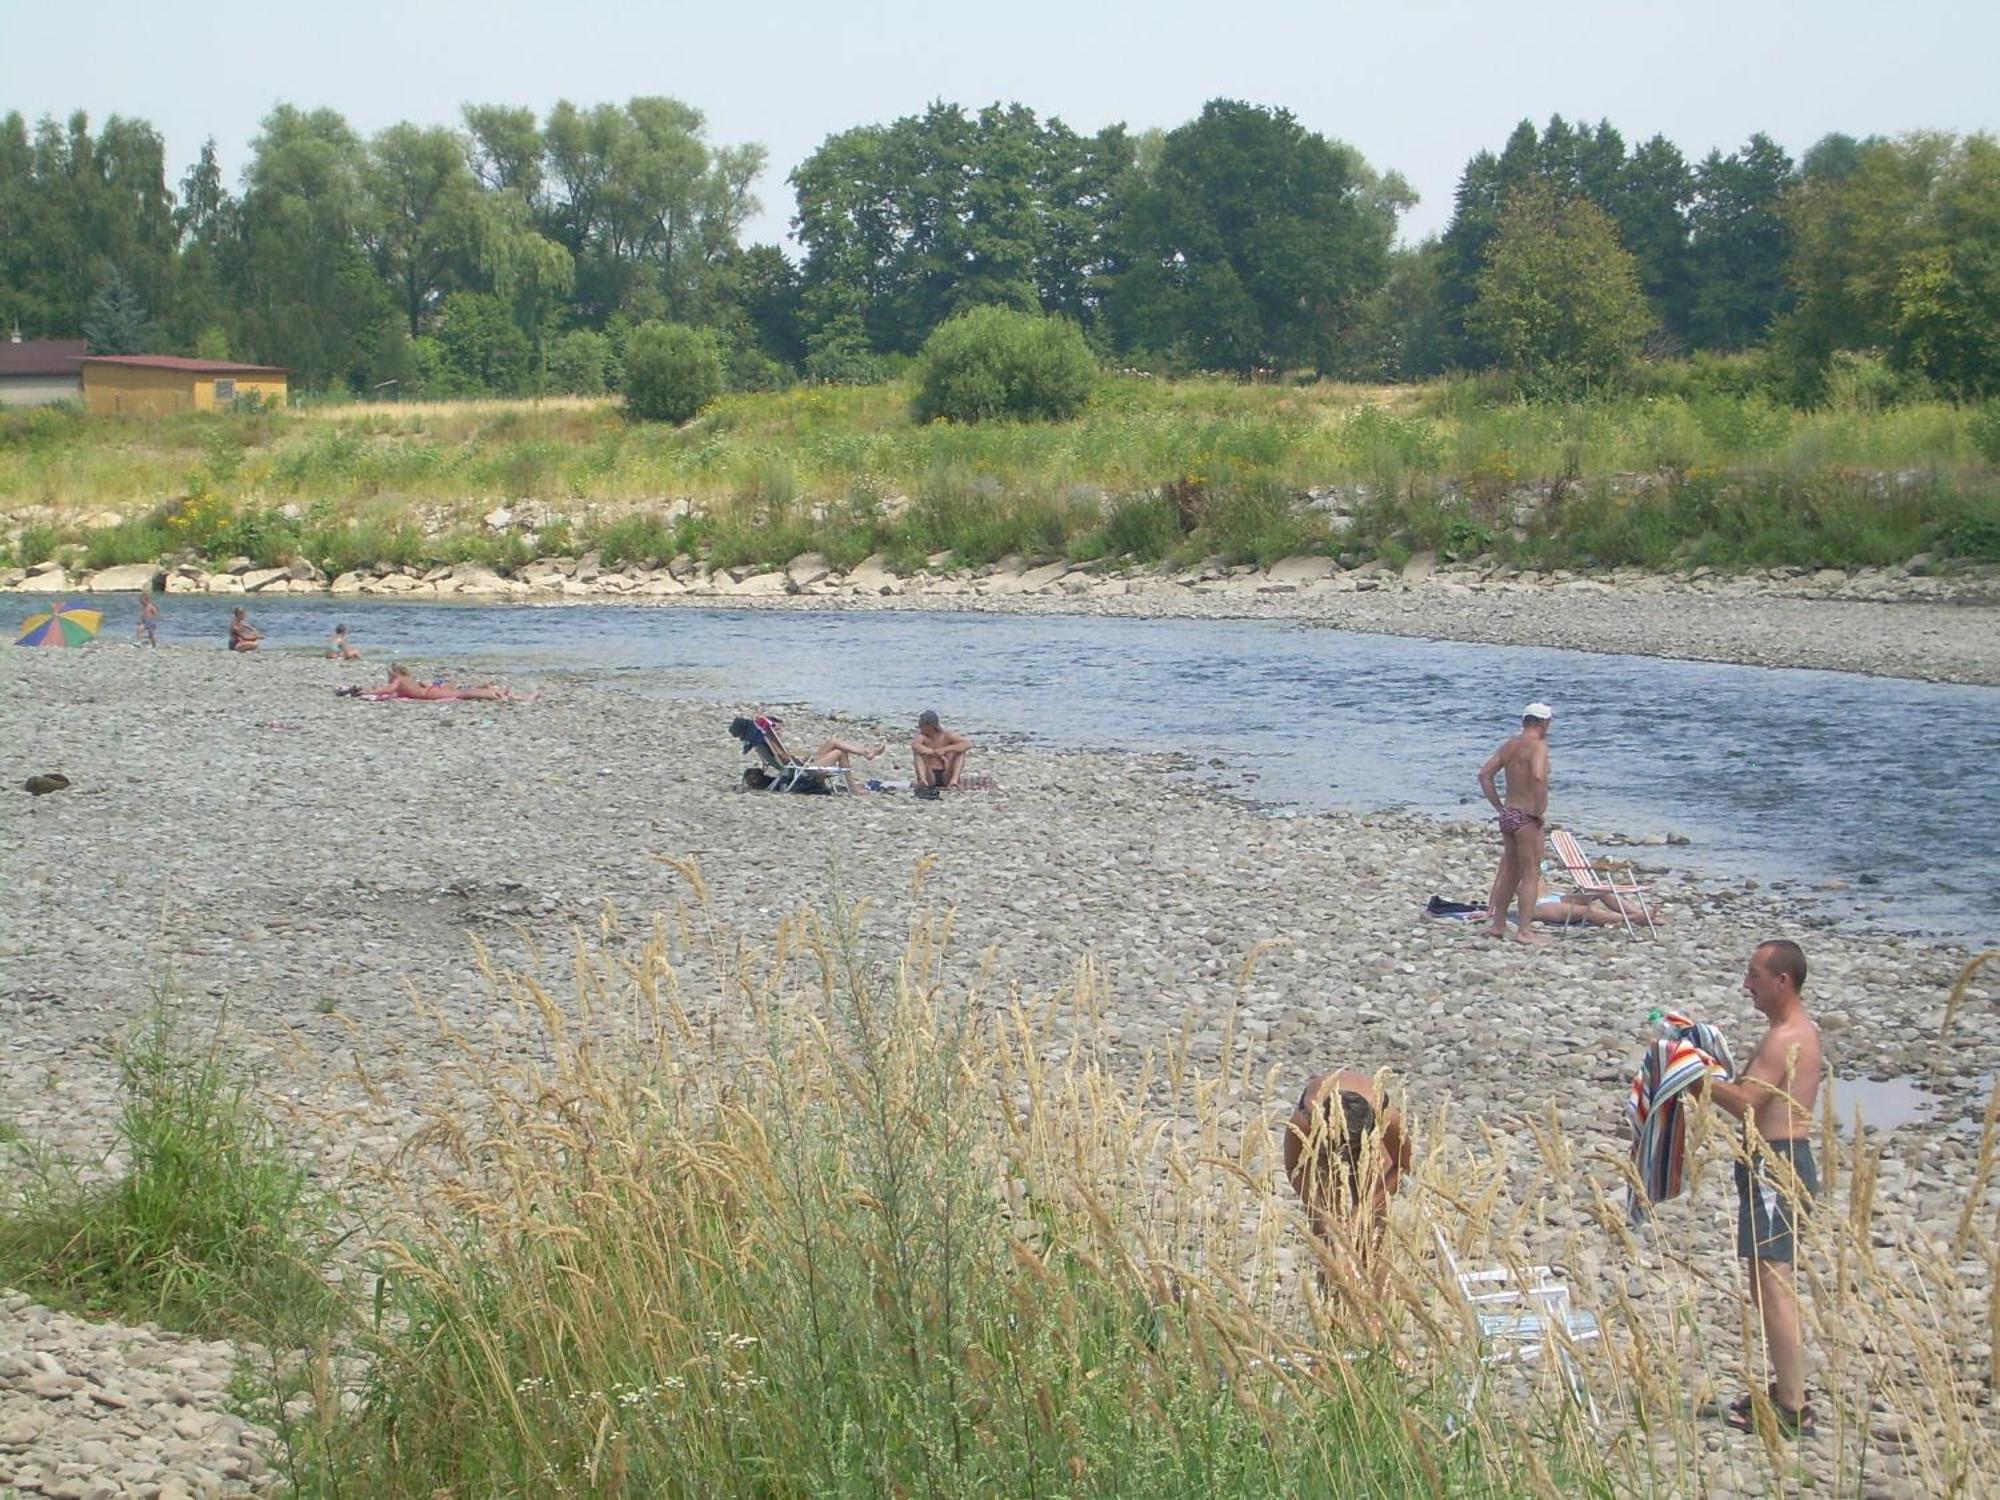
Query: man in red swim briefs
point(1524, 761)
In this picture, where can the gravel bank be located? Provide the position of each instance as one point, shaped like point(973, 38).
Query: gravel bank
point(311, 863)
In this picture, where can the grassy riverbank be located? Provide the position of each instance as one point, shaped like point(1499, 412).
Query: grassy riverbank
point(1691, 475)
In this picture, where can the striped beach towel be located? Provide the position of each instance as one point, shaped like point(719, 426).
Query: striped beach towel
point(1685, 1052)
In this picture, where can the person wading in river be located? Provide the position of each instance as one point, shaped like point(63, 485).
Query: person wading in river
point(1524, 761)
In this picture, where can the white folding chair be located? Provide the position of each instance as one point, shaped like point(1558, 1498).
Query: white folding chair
point(1518, 1316)
point(1594, 881)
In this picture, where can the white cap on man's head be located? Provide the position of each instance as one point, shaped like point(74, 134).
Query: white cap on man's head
point(1538, 710)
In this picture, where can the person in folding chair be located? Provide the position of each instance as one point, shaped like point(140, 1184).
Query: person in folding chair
point(1346, 1149)
point(782, 771)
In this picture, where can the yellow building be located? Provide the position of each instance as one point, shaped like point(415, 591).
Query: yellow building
point(151, 384)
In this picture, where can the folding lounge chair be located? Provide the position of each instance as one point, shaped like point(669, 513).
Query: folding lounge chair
point(1596, 881)
point(788, 773)
point(1519, 1316)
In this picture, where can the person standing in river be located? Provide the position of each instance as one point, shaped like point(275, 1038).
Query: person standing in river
point(1524, 761)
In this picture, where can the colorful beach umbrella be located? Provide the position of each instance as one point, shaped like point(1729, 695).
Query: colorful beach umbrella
point(60, 626)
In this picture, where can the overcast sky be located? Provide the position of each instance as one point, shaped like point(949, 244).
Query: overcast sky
point(1418, 86)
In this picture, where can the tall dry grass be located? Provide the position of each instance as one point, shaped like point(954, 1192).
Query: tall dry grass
point(779, 1215)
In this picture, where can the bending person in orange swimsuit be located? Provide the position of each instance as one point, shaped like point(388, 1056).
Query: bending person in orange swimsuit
point(1346, 1150)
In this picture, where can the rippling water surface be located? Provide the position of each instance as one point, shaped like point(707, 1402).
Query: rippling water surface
point(1888, 785)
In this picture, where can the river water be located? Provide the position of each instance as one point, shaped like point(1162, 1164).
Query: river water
point(1814, 777)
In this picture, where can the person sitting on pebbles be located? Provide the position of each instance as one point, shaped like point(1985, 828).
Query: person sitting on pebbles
point(243, 636)
point(1345, 1151)
point(340, 648)
point(403, 685)
point(938, 753)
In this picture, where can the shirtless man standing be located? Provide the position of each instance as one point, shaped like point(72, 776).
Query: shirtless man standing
point(1524, 760)
point(1776, 1178)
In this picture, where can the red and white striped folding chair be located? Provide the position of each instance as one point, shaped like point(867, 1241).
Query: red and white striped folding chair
point(1600, 880)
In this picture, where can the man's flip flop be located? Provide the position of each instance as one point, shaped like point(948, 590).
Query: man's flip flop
point(1742, 1415)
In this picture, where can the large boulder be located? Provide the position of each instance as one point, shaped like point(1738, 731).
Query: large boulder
point(806, 569)
point(471, 578)
point(45, 579)
point(133, 578)
point(258, 579)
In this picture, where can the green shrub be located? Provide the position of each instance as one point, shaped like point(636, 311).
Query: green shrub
point(1257, 521)
point(36, 544)
point(643, 537)
point(1144, 527)
point(671, 371)
point(1984, 429)
point(141, 541)
point(580, 362)
point(212, 1228)
point(993, 362)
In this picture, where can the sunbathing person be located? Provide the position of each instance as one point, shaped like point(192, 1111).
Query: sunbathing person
point(403, 685)
point(938, 753)
point(1592, 908)
point(831, 753)
point(1345, 1151)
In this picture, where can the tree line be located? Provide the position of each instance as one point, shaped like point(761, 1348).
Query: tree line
point(517, 253)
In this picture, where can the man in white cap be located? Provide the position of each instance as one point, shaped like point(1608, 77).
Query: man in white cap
point(1524, 761)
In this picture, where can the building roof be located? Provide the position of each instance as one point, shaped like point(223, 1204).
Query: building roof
point(43, 357)
point(184, 366)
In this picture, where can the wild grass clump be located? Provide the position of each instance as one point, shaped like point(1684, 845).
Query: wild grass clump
point(784, 1217)
point(842, 1229)
point(210, 1227)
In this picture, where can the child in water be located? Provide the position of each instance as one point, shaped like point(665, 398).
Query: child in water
point(341, 649)
point(149, 621)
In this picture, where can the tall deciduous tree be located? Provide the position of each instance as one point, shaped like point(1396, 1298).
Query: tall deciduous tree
point(907, 223)
point(1856, 219)
point(1560, 298)
point(1947, 323)
point(1739, 244)
point(642, 202)
point(423, 207)
point(74, 208)
point(1646, 192)
point(311, 301)
point(1254, 242)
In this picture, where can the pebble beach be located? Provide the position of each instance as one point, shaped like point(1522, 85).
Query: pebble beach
point(309, 865)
